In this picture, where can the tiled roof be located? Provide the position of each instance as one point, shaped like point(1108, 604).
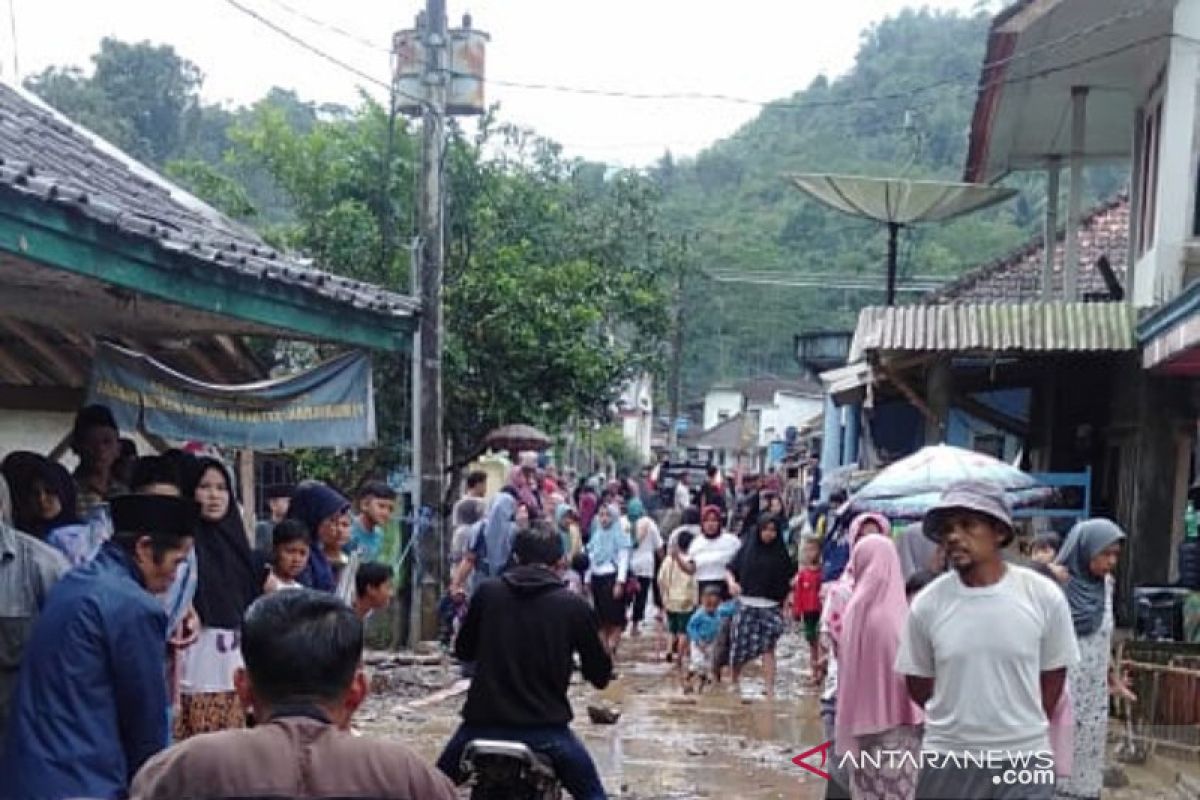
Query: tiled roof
point(725, 435)
point(45, 156)
point(762, 389)
point(1017, 277)
point(995, 327)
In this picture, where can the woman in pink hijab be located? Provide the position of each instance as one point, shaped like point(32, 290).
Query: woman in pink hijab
point(835, 597)
point(874, 712)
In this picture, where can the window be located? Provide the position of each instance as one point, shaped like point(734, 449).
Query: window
point(1148, 181)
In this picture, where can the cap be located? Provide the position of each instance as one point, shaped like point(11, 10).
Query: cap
point(979, 497)
point(144, 513)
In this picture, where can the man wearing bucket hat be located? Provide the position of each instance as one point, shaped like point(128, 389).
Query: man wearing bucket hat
point(985, 652)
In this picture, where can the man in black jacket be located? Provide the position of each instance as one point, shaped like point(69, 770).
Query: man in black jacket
point(522, 630)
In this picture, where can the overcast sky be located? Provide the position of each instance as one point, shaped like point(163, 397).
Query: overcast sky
point(756, 49)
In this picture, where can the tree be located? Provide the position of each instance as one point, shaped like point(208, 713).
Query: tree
point(552, 295)
point(139, 95)
point(152, 88)
point(71, 92)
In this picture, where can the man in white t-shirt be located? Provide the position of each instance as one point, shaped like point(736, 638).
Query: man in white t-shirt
point(683, 493)
point(985, 651)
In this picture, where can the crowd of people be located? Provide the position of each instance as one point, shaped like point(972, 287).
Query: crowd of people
point(138, 614)
point(126, 588)
point(939, 637)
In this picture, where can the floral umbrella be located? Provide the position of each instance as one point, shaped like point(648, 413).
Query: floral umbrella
point(908, 488)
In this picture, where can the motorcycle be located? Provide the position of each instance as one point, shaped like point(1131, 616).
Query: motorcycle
point(502, 770)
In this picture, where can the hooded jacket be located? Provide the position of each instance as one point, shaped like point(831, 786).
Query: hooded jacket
point(523, 630)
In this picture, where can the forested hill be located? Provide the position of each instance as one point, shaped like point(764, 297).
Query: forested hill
point(904, 108)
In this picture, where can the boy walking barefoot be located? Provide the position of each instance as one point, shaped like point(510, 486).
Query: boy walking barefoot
point(702, 633)
point(806, 600)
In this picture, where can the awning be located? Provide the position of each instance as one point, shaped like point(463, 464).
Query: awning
point(1170, 337)
point(847, 384)
point(999, 327)
point(1037, 51)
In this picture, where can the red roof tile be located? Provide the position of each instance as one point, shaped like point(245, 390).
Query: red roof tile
point(1018, 276)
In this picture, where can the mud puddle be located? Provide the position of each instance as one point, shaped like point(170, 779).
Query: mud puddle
point(717, 744)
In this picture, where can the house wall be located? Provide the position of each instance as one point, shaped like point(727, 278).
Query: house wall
point(967, 431)
point(1160, 272)
point(721, 404)
point(637, 415)
point(636, 427)
point(787, 411)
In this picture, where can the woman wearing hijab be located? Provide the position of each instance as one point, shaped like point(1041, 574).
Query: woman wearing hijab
point(44, 504)
point(227, 582)
point(708, 559)
point(467, 514)
point(1090, 555)
point(566, 522)
point(647, 550)
point(835, 598)
point(321, 509)
point(760, 578)
point(874, 711)
point(608, 554)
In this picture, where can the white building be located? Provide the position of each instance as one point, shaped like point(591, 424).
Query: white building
point(636, 410)
point(771, 403)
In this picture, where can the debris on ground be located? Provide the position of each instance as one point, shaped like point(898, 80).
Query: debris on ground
point(603, 714)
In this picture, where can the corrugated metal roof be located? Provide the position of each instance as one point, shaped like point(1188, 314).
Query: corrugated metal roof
point(992, 327)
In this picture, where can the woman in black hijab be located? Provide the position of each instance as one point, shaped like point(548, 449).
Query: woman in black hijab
point(760, 577)
point(228, 582)
point(43, 493)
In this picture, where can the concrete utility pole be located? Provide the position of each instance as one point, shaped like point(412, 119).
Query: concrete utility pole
point(432, 469)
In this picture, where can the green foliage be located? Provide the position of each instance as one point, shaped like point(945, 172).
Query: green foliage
point(903, 109)
point(219, 191)
point(552, 297)
point(140, 95)
point(610, 441)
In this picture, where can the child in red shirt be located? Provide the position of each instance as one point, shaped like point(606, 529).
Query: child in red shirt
point(806, 595)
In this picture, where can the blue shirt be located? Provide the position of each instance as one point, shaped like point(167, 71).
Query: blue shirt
point(703, 626)
point(90, 705)
point(367, 543)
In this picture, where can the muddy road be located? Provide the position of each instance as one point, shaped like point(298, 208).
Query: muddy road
point(667, 745)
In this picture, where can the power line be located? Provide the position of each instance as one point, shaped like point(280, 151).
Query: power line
point(296, 40)
point(963, 82)
point(350, 35)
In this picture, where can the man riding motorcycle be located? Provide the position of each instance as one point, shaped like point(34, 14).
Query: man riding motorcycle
point(522, 630)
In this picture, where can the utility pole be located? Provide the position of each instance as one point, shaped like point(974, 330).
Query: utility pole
point(677, 347)
point(438, 72)
point(431, 469)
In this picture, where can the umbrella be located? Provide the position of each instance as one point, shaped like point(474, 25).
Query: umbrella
point(908, 488)
point(517, 438)
point(917, 506)
point(899, 202)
